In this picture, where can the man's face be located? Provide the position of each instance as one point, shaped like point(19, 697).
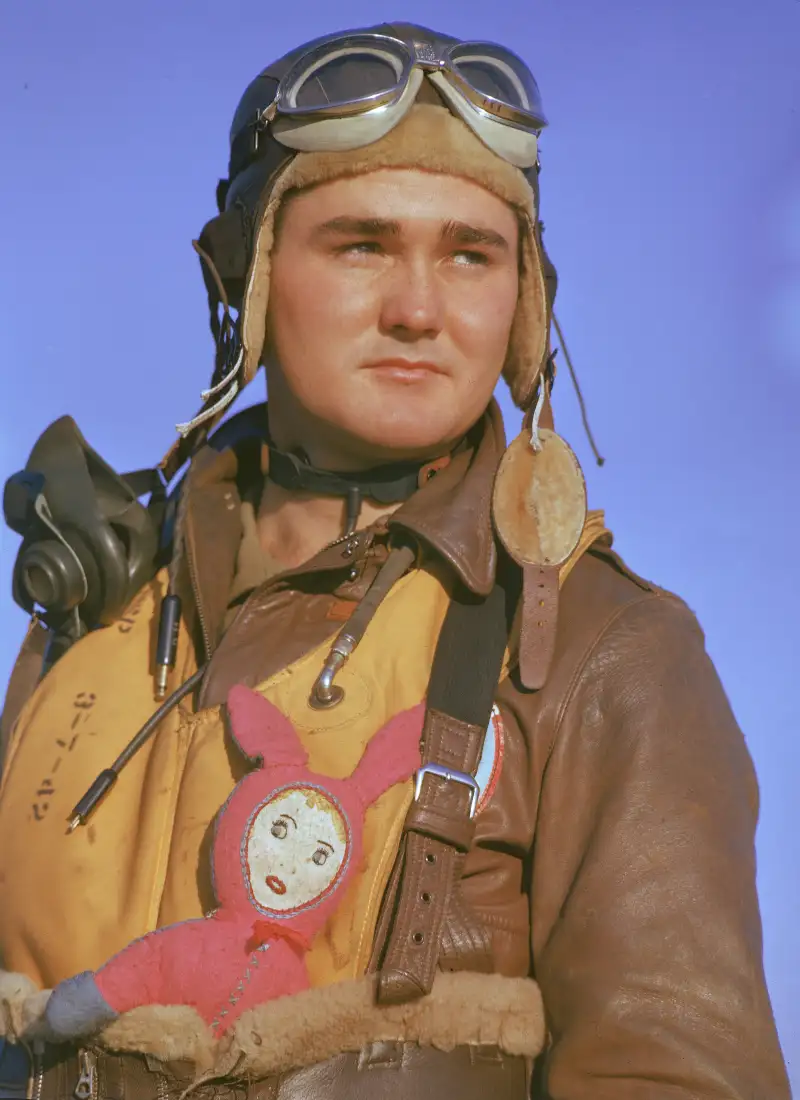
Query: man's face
point(391, 302)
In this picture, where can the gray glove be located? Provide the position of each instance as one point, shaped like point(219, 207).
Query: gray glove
point(76, 1007)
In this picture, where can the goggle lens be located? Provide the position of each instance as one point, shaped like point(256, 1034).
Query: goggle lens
point(499, 75)
point(347, 74)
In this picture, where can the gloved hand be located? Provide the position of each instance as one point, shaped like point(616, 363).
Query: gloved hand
point(77, 1007)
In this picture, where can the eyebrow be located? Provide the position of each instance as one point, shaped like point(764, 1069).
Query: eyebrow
point(327, 845)
point(345, 225)
point(453, 232)
point(463, 233)
point(290, 818)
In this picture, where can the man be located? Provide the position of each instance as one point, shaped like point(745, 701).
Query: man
point(562, 903)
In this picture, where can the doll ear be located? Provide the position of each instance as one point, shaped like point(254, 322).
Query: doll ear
point(261, 730)
point(391, 756)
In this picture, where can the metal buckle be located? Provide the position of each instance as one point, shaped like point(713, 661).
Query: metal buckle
point(450, 775)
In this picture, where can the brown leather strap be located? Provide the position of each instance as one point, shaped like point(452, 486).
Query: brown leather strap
point(388, 1069)
point(438, 833)
point(539, 621)
point(427, 917)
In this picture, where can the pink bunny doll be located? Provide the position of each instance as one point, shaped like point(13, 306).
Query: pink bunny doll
point(287, 843)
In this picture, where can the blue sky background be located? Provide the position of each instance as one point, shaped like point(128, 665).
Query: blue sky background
point(671, 193)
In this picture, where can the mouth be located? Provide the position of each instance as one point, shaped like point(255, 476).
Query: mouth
point(405, 370)
point(276, 885)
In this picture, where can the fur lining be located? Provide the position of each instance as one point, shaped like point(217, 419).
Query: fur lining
point(309, 1027)
point(22, 1007)
point(434, 140)
point(463, 1009)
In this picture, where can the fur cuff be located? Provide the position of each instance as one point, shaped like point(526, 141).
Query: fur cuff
point(463, 1009)
point(293, 1032)
point(22, 1007)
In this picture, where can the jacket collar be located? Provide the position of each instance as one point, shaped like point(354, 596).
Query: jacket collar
point(451, 515)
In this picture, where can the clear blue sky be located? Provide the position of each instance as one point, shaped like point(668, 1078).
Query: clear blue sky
point(671, 193)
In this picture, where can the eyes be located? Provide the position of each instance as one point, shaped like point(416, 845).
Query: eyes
point(463, 257)
point(280, 830)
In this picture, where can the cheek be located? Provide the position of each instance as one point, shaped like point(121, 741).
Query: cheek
point(481, 319)
point(317, 312)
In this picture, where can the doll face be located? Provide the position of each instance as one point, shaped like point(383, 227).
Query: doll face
point(295, 849)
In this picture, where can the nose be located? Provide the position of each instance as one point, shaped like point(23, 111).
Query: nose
point(412, 306)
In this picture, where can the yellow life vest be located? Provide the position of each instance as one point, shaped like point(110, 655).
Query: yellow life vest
point(69, 902)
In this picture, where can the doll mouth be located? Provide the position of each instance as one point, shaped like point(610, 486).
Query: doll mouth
point(276, 885)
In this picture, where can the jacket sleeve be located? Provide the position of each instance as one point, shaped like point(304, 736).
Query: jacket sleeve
point(645, 921)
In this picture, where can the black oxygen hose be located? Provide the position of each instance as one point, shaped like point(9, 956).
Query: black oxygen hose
point(108, 777)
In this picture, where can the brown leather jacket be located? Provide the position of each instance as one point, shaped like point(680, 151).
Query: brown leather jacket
point(615, 861)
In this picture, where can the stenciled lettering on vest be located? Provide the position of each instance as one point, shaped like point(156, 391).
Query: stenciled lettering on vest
point(81, 713)
point(128, 620)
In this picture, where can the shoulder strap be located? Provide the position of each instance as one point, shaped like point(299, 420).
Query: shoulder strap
point(424, 912)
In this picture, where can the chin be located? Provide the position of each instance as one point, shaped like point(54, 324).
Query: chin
point(400, 435)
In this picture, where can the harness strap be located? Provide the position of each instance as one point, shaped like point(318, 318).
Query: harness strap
point(426, 921)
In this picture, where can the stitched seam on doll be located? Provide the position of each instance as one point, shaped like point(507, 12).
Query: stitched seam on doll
point(239, 988)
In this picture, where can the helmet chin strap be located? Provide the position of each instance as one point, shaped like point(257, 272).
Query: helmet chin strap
point(389, 484)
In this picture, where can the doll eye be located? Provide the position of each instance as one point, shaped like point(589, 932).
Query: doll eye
point(280, 829)
point(320, 856)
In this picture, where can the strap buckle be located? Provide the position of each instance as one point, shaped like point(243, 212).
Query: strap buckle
point(450, 775)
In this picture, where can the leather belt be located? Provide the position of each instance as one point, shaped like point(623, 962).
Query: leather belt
point(438, 833)
point(380, 1071)
point(537, 641)
point(426, 922)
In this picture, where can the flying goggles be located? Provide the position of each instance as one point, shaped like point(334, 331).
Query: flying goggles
point(313, 109)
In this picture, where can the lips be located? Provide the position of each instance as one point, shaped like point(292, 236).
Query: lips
point(405, 369)
point(276, 885)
